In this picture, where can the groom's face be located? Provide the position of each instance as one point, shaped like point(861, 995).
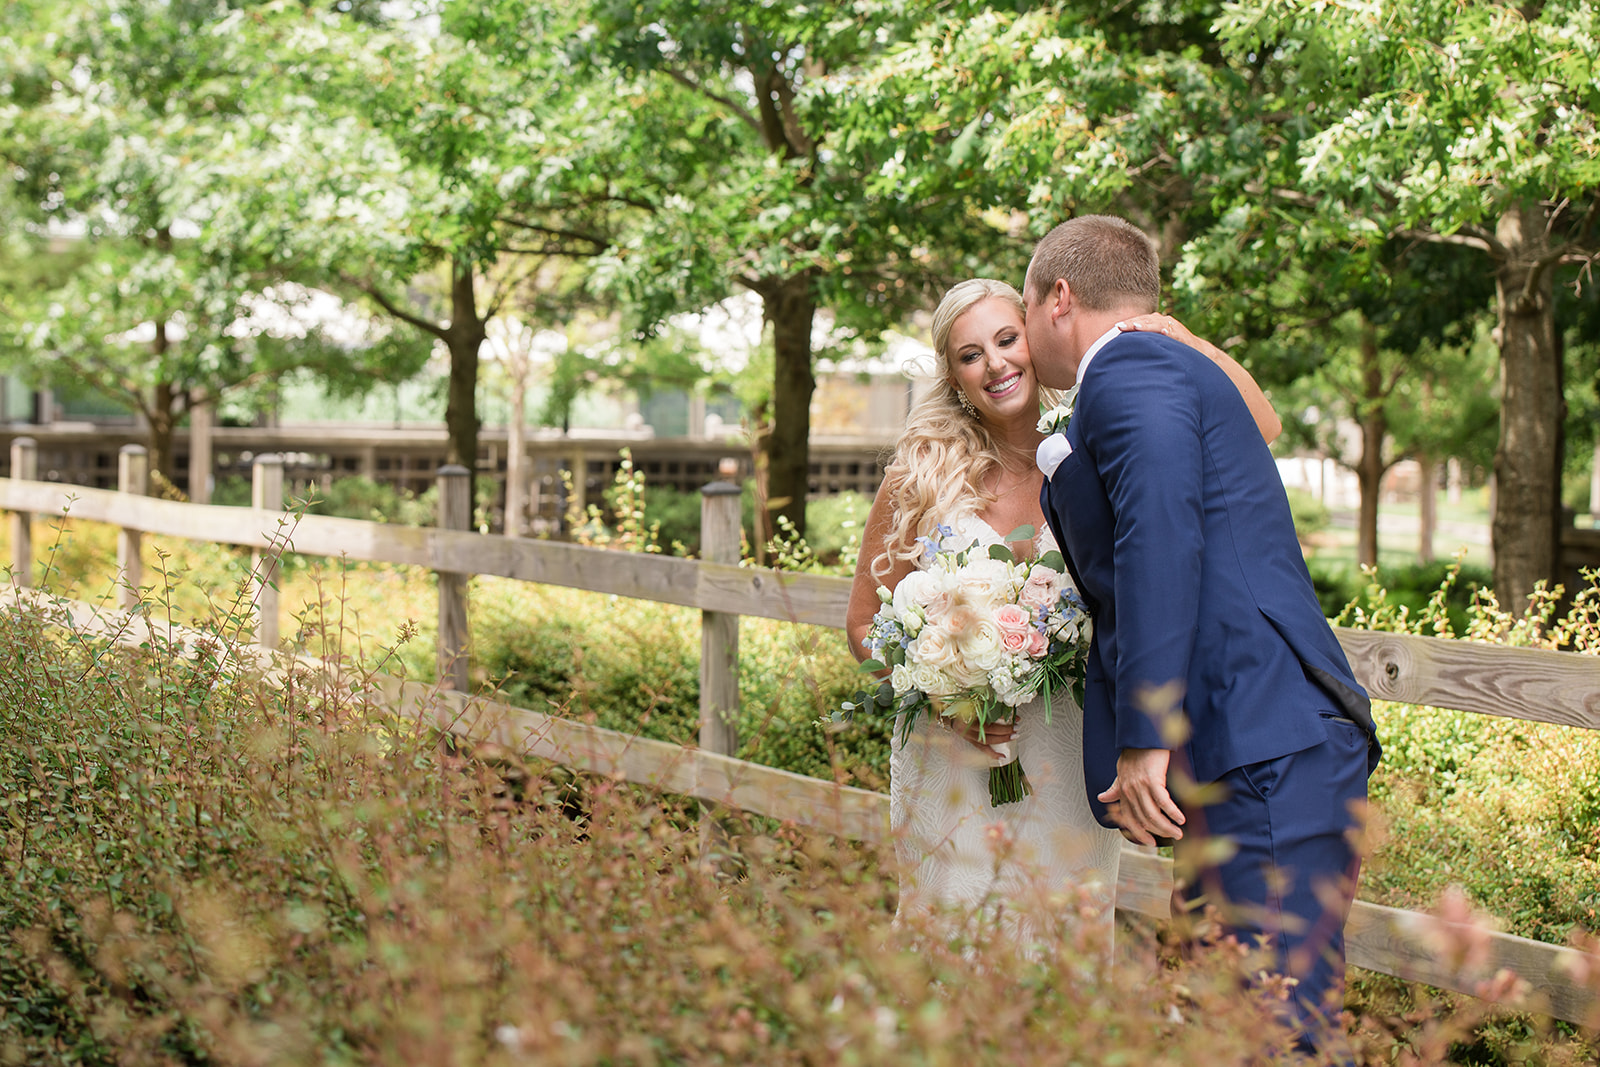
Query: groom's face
point(1054, 362)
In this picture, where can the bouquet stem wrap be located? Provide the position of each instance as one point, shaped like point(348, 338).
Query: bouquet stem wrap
point(1008, 782)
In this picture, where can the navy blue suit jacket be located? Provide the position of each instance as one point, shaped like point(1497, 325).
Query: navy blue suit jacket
point(1174, 522)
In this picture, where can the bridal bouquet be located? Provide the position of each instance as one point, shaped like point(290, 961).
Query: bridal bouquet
point(972, 636)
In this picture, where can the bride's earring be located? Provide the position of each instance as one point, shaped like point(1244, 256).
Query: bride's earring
point(966, 403)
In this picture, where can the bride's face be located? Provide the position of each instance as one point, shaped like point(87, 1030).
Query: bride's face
point(989, 361)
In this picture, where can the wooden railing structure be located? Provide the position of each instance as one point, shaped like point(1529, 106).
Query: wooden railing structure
point(1535, 685)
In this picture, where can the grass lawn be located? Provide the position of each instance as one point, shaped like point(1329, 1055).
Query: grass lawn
point(1398, 533)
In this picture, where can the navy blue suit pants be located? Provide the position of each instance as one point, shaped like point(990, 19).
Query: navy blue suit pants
point(1293, 876)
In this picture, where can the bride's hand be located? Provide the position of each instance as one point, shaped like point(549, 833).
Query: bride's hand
point(1166, 324)
point(994, 733)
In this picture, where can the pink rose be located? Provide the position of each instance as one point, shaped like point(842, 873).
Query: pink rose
point(1041, 590)
point(1038, 645)
point(1015, 641)
point(1011, 619)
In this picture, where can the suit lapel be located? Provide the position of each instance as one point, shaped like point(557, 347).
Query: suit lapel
point(1058, 527)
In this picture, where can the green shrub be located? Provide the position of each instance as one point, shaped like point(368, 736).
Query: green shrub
point(1345, 591)
point(678, 512)
point(1499, 807)
point(634, 666)
point(359, 497)
point(1310, 514)
point(202, 868)
point(232, 491)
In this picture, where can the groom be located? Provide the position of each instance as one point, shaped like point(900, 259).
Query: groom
point(1212, 662)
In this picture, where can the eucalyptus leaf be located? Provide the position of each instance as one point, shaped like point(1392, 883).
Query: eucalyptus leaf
point(870, 665)
point(1053, 560)
point(1024, 532)
point(1001, 552)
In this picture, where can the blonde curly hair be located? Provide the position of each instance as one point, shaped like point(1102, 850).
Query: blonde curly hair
point(945, 456)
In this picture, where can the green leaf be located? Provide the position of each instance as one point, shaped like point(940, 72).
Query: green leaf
point(870, 665)
point(1053, 560)
point(1001, 552)
point(1024, 532)
point(961, 148)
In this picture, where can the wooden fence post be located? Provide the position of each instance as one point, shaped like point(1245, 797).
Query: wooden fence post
point(719, 645)
point(202, 422)
point(24, 467)
point(266, 494)
point(455, 513)
point(719, 630)
point(132, 477)
point(578, 501)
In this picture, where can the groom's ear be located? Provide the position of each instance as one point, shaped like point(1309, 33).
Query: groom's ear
point(1060, 299)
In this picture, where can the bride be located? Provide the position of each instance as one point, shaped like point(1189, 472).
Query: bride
point(966, 461)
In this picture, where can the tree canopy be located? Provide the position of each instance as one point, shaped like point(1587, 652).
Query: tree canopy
point(1337, 192)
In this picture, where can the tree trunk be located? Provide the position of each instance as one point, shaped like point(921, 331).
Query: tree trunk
point(517, 360)
point(463, 338)
point(1594, 485)
point(1427, 506)
point(162, 421)
point(1525, 526)
point(1374, 427)
point(790, 306)
point(160, 415)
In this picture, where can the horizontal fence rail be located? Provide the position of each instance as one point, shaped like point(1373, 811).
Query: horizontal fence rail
point(1534, 684)
point(1531, 684)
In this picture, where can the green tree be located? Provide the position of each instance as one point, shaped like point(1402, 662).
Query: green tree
point(122, 125)
point(1379, 335)
point(457, 153)
point(785, 196)
point(1471, 125)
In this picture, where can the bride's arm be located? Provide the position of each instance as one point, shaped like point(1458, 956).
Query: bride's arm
point(1267, 420)
point(864, 600)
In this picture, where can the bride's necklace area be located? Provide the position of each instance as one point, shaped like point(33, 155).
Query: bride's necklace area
point(1001, 490)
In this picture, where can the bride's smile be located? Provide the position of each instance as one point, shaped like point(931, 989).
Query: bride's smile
point(1004, 385)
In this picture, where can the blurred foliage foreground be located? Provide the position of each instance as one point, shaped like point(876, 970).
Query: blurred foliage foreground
point(204, 866)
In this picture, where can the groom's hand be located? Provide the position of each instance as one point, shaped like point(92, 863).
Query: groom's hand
point(1138, 800)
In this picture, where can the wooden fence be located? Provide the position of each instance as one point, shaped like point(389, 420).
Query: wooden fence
point(408, 460)
point(1536, 685)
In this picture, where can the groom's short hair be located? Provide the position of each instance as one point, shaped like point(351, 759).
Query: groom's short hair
point(1107, 261)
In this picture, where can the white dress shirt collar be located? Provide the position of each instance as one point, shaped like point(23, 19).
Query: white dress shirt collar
point(1100, 342)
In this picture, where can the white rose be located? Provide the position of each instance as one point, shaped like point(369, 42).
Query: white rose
point(1065, 631)
point(914, 590)
point(934, 647)
point(986, 583)
point(981, 646)
point(932, 681)
point(1041, 590)
point(900, 677)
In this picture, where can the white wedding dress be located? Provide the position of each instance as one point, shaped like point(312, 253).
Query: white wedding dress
point(1034, 866)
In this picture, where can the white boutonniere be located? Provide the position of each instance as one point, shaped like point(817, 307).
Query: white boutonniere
point(1055, 420)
